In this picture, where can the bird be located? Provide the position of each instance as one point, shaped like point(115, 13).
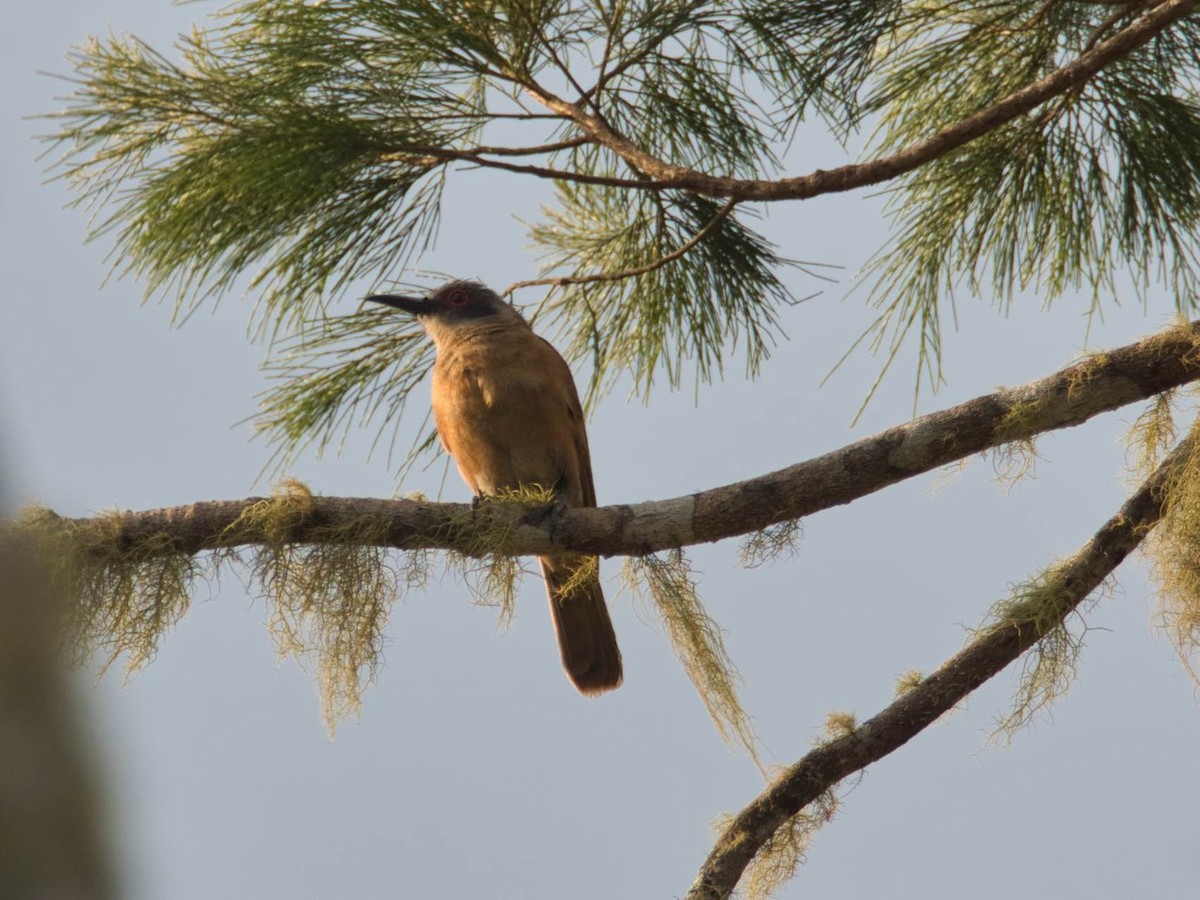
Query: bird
point(508, 412)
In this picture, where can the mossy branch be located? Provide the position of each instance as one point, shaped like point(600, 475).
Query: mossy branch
point(326, 568)
point(1174, 550)
point(777, 861)
point(1069, 397)
point(1058, 592)
point(1050, 665)
point(329, 598)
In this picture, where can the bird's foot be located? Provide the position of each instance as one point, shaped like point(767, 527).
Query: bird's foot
point(555, 509)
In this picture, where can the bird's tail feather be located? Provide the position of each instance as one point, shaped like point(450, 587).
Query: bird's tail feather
point(586, 639)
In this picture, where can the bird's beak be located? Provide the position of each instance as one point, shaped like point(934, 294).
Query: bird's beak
point(414, 305)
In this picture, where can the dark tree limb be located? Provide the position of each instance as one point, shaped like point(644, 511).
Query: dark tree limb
point(984, 657)
point(1072, 395)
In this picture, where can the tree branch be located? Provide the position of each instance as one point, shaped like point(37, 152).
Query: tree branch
point(553, 147)
point(431, 156)
point(987, 655)
point(850, 177)
point(1072, 395)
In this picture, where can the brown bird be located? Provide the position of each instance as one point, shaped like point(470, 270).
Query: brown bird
point(507, 410)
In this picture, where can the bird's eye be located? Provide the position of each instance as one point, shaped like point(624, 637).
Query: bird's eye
point(457, 298)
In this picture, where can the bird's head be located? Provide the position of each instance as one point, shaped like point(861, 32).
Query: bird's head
point(451, 305)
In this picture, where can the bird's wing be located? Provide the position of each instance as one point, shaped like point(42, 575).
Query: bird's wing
point(579, 431)
point(443, 430)
point(578, 427)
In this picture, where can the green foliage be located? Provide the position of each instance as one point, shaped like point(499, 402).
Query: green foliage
point(250, 155)
point(811, 53)
point(342, 373)
point(697, 640)
point(304, 147)
point(1099, 180)
point(661, 318)
point(679, 93)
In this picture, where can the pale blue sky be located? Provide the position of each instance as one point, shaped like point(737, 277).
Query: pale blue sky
point(475, 770)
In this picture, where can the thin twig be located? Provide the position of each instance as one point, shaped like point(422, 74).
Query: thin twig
point(635, 58)
point(679, 251)
point(593, 94)
point(552, 147)
point(558, 62)
point(431, 156)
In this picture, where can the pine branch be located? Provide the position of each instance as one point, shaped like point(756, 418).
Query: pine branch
point(1069, 397)
point(552, 147)
point(806, 780)
point(720, 297)
point(628, 61)
point(850, 177)
point(432, 155)
point(307, 146)
point(621, 274)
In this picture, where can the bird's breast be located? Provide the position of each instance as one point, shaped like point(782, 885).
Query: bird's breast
point(502, 416)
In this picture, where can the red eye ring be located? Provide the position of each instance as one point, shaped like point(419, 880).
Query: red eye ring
point(457, 298)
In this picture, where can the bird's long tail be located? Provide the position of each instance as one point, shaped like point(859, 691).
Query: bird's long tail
point(586, 639)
